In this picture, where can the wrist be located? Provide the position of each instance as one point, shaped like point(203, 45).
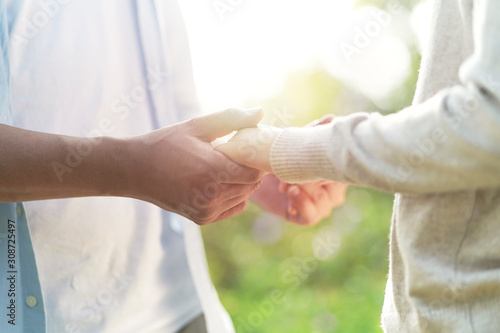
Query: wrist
point(114, 167)
point(136, 172)
point(301, 155)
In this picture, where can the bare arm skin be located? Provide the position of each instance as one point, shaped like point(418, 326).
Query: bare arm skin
point(175, 168)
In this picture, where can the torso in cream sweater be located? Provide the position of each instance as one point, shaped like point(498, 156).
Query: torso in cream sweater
point(442, 158)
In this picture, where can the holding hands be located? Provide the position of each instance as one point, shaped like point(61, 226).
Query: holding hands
point(303, 204)
point(251, 146)
point(207, 186)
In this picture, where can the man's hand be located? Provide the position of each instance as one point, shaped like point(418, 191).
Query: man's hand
point(177, 169)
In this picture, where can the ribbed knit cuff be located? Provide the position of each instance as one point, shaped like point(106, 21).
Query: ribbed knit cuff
point(301, 155)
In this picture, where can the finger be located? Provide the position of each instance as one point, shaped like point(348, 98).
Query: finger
point(225, 209)
point(221, 123)
point(336, 193)
point(326, 119)
point(251, 146)
point(233, 211)
point(231, 191)
point(269, 198)
point(283, 187)
point(309, 203)
point(292, 192)
point(235, 151)
point(246, 154)
point(306, 212)
point(322, 188)
point(314, 190)
point(234, 173)
point(291, 210)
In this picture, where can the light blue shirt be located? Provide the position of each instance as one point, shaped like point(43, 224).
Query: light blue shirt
point(21, 303)
point(107, 264)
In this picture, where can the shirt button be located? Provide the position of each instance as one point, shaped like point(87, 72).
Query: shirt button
point(31, 301)
point(19, 210)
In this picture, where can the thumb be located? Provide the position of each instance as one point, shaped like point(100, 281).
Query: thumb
point(221, 123)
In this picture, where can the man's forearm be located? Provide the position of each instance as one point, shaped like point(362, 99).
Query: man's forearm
point(175, 168)
point(36, 166)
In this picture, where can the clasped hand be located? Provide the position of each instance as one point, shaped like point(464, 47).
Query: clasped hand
point(303, 204)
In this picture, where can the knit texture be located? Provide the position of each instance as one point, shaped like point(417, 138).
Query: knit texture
point(441, 157)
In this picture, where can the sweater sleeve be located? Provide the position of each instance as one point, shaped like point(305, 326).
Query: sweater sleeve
point(450, 142)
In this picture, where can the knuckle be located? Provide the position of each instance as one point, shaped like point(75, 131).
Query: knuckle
point(192, 123)
point(254, 188)
point(255, 176)
point(205, 218)
point(239, 208)
point(257, 185)
point(243, 206)
point(211, 212)
point(202, 221)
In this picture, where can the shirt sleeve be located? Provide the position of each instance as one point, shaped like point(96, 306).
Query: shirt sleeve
point(5, 117)
point(450, 142)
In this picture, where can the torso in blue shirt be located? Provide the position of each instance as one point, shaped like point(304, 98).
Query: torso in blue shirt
point(21, 303)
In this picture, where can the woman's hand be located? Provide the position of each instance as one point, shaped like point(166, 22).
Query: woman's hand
point(251, 146)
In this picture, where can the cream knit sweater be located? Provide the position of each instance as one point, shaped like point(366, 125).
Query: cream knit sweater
point(442, 158)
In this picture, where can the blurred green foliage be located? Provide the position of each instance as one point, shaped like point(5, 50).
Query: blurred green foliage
point(270, 274)
point(343, 293)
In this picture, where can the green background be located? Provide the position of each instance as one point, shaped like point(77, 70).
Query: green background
point(273, 276)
